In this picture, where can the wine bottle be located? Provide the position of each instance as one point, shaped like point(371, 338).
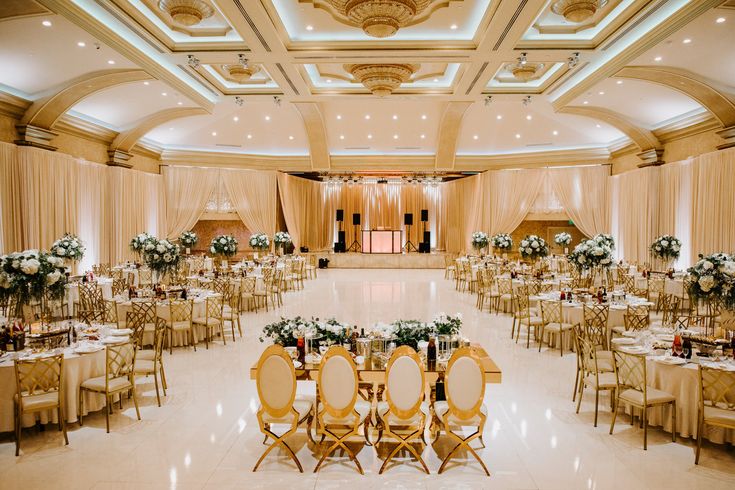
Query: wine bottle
point(301, 349)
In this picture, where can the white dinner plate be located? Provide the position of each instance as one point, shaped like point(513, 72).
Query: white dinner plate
point(674, 361)
point(635, 349)
point(89, 349)
point(623, 341)
point(297, 364)
point(120, 331)
point(114, 340)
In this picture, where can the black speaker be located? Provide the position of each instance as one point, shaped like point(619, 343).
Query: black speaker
point(424, 215)
point(408, 219)
point(339, 247)
point(341, 237)
point(424, 248)
point(427, 237)
point(355, 219)
point(340, 215)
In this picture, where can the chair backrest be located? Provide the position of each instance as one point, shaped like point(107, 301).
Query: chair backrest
point(629, 282)
point(145, 276)
point(656, 283)
point(119, 286)
point(159, 335)
point(39, 376)
point(595, 324)
point(90, 296)
point(404, 382)
point(505, 285)
point(247, 284)
point(180, 310)
point(214, 306)
point(136, 322)
point(147, 309)
point(630, 371)
point(524, 304)
point(551, 311)
point(635, 322)
point(465, 384)
point(716, 388)
point(234, 295)
point(338, 382)
point(120, 360)
point(276, 381)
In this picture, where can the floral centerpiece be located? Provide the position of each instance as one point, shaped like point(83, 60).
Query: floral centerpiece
point(666, 247)
point(603, 239)
point(282, 239)
point(162, 257)
point(591, 253)
point(68, 247)
point(410, 332)
point(444, 324)
point(480, 240)
point(287, 331)
point(139, 242)
point(31, 275)
point(502, 242)
point(260, 241)
point(563, 238)
point(713, 276)
point(224, 245)
point(533, 247)
point(332, 332)
point(188, 239)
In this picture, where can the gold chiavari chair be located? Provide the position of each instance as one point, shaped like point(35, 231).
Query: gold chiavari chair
point(341, 413)
point(403, 414)
point(39, 385)
point(231, 308)
point(300, 273)
point(629, 283)
point(119, 286)
point(180, 319)
point(287, 277)
point(450, 268)
point(716, 401)
point(591, 375)
point(656, 287)
point(552, 324)
point(525, 317)
point(267, 292)
point(147, 310)
point(91, 301)
point(633, 390)
point(311, 267)
point(154, 366)
point(213, 319)
point(595, 325)
point(277, 288)
point(145, 277)
point(247, 293)
point(639, 319)
point(119, 378)
point(505, 295)
point(279, 404)
point(116, 274)
point(464, 407)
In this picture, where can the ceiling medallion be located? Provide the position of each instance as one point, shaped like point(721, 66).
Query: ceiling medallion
point(381, 79)
point(577, 10)
point(186, 12)
point(525, 71)
point(241, 73)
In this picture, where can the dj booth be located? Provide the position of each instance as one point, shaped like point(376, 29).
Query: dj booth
point(382, 241)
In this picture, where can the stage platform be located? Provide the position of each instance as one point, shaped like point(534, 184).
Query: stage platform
point(412, 260)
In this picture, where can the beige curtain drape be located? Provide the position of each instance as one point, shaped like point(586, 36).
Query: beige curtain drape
point(308, 210)
point(674, 207)
point(187, 192)
point(507, 195)
point(253, 193)
point(460, 210)
point(635, 212)
point(713, 202)
point(10, 200)
point(584, 194)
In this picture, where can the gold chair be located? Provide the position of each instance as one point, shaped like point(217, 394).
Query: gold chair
point(464, 407)
point(212, 318)
point(39, 385)
point(552, 324)
point(656, 284)
point(311, 267)
point(505, 295)
point(148, 312)
point(525, 317)
point(279, 404)
point(247, 293)
point(449, 267)
point(119, 286)
point(267, 291)
point(633, 390)
point(636, 317)
point(154, 365)
point(341, 413)
point(119, 378)
point(231, 308)
point(180, 320)
point(145, 277)
point(592, 376)
point(595, 319)
point(716, 401)
point(404, 411)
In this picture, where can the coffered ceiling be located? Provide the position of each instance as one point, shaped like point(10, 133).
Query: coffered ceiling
point(309, 81)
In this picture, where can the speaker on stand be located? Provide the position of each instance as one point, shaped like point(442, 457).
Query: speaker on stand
point(425, 244)
point(340, 246)
point(355, 245)
point(408, 221)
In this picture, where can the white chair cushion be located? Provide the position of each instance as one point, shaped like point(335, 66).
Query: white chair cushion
point(115, 384)
point(212, 322)
point(383, 407)
point(719, 416)
point(362, 407)
point(180, 326)
point(606, 380)
point(303, 405)
point(441, 407)
point(558, 327)
point(654, 396)
point(144, 366)
point(40, 402)
point(144, 355)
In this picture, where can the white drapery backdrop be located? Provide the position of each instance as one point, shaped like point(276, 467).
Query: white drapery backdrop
point(187, 192)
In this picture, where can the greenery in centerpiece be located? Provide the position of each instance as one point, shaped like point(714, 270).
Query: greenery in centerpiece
point(563, 238)
point(603, 239)
point(68, 247)
point(224, 245)
point(666, 247)
point(139, 242)
point(533, 247)
point(162, 257)
point(281, 238)
point(260, 241)
point(713, 277)
point(480, 240)
point(287, 331)
point(32, 275)
point(410, 332)
point(444, 324)
point(591, 253)
point(502, 242)
point(188, 239)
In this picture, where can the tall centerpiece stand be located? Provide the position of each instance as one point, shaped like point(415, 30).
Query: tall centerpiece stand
point(223, 247)
point(503, 243)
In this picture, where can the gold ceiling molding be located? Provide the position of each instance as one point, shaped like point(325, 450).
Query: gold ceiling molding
point(10, 9)
point(186, 12)
point(576, 11)
point(316, 132)
point(651, 149)
point(382, 79)
point(380, 18)
point(449, 128)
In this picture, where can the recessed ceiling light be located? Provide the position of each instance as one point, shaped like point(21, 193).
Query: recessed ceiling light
point(329, 80)
point(395, 117)
point(657, 58)
point(179, 103)
point(423, 136)
point(586, 102)
point(619, 82)
point(555, 132)
point(436, 80)
point(395, 136)
point(370, 136)
point(110, 62)
point(453, 27)
point(601, 92)
point(339, 116)
point(146, 83)
point(309, 28)
point(81, 44)
point(687, 41)
point(170, 129)
point(597, 126)
point(164, 94)
point(290, 137)
point(475, 137)
point(720, 20)
point(250, 136)
point(235, 118)
point(46, 23)
point(529, 117)
point(214, 133)
point(423, 116)
point(499, 117)
point(367, 116)
point(518, 136)
point(341, 136)
point(267, 118)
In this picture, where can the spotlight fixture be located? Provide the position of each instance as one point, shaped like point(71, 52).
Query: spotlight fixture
point(488, 100)
point(277, 100)
point(573, 60)
point(242, 60)
point(526, 100)
point(522, 60)
point(239, 101)
point(192, 61)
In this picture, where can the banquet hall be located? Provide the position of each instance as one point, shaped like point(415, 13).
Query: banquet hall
point(378, 243)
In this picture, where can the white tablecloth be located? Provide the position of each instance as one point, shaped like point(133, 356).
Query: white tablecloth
point(673, 286)
point(72, 290)
point(77, 369)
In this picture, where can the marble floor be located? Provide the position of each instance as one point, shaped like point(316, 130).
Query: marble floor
point(206, 433)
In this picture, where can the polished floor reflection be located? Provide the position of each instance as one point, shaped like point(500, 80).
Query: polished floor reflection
point(206, 434)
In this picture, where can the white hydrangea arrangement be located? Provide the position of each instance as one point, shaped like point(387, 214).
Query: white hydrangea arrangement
point(605, 239)
point(533, 247)
point(224, 245)
point(162, 256)
point(666, 247)
point(502, 241)
point(139, 242)
point(444, 324)
point(563, 238)
point(591, 253)
point(480, 240)
point(260, 241)
point(68, 247)
point(188, 239)
point(713, 276)
point(31, 274)
point(281, 238)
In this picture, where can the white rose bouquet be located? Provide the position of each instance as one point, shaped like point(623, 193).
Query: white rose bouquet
point(563, 238)
point(603, 239)
point(31, 274)
point(68, 247)
point(480, 240)
point(287, 331)
point(162, 257)
point(589, 254)
point(281, 238)
point(188, 239)
point(224, 245)
point(502, 241)
point(666, 247)
point(713, 276)
point(444, 324)
point(533, 247)
point(260, 241)
point(140, 243)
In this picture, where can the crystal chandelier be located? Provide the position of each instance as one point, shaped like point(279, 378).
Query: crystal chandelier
point(577, 11)
point(382, 79)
